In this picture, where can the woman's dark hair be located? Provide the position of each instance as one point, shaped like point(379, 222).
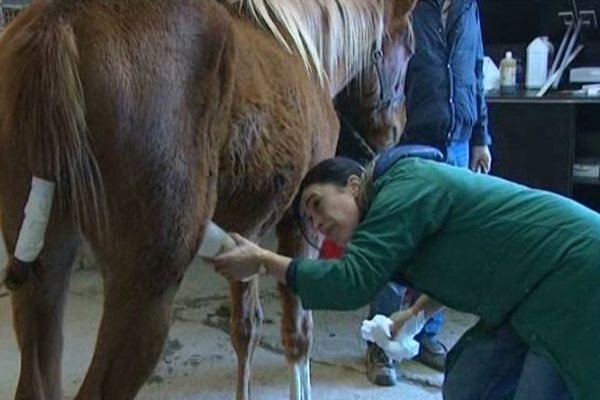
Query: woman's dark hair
point(334, 171)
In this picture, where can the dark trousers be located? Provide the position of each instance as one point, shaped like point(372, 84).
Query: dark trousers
point(498, 366)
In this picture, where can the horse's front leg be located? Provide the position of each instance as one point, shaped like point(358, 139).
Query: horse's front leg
point(246, 327)
point(296, 324)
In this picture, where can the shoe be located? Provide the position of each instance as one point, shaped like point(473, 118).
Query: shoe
point(432, 353)
point(380, 368)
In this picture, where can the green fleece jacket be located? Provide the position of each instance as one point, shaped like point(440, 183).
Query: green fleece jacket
point(481, 245)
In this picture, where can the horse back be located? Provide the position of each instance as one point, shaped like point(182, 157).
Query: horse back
point(155, 95)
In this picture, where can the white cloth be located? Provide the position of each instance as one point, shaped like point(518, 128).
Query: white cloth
point(403, 346)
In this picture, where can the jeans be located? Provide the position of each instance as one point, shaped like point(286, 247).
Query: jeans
point(457, 153)
point(502, 365)
point(389, 299)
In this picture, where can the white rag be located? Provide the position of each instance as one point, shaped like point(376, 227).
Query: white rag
point(403, 346)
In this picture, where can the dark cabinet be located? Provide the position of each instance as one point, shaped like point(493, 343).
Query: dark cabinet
point(537, 140)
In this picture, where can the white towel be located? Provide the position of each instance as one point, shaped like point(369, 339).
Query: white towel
point(404, 345)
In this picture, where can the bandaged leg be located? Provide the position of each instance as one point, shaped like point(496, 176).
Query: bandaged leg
point(300, 384)
point(31, 237)
point(216, 241)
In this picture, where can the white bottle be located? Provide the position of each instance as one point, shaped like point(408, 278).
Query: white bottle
point(550, 52)
point(537, 63)
point(508, 73)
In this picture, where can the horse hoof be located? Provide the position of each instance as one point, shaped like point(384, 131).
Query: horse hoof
point(17, 273)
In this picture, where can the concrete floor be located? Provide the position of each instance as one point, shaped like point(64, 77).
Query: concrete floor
point(198, 361)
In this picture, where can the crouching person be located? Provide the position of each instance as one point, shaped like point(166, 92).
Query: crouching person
point(527, 262)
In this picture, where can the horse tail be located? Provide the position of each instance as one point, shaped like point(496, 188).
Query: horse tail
point(43, 109)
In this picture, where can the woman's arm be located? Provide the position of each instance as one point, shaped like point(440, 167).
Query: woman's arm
point(424, 303)
point(427, 305)
point(406, 210)
point(275, 265)
point(247, 259)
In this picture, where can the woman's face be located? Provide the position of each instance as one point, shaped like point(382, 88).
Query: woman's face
point(333, 210)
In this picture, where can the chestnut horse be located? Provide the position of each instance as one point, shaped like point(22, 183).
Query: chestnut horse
point(154, 117)
point(371, 106)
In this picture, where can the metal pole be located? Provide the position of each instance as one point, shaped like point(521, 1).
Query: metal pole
point(575, 10)
point(569, 50)
point(561, 49)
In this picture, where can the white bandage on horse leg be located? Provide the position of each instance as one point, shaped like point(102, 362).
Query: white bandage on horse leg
point(216, 241)
point(300, 388)
point(37, 213)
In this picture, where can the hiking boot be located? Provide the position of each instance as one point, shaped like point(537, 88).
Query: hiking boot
point(432, 353)
point(380, 368)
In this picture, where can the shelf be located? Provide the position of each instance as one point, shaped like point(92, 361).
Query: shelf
point(529, 96)
point(578, 180)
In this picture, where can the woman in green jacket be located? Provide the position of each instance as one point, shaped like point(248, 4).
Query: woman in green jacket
point(527, 262)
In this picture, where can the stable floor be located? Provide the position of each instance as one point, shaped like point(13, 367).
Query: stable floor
point(198, 361)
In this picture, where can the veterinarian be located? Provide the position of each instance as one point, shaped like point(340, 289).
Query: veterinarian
point(527, 262)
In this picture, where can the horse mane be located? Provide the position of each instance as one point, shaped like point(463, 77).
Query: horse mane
point(327, 34)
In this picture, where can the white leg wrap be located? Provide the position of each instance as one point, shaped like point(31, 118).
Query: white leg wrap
point(295, 385)
point(37, 213)
point(305, 374)
point(300, 382)
point(216, 241)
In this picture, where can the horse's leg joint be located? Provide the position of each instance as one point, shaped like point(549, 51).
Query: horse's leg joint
point(17, 273)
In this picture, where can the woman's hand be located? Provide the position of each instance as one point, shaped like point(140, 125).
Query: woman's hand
point(239, 262)
point(399, 319)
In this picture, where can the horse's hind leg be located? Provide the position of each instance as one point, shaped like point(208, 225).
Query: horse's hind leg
point(38, 308)
point(297, 324)
point(135, 323)
point(246, 326)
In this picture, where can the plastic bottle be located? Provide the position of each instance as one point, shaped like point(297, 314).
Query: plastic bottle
point(508, 74)
point(537, 63)
point(520, 79)
point(546, 39)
